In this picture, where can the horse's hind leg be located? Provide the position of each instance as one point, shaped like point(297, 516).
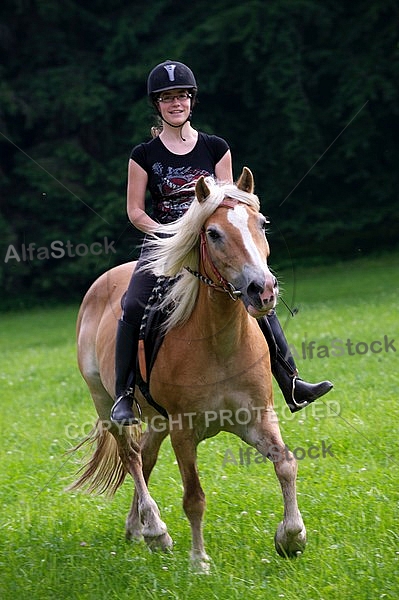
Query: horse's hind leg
point(147, 518)
point(290, 537)
point(150, 444)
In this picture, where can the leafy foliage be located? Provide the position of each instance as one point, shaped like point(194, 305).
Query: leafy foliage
point(305, 93)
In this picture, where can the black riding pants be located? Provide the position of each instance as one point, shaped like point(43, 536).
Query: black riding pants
point(137, 295)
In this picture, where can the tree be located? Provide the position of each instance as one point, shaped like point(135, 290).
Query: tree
point(304, 92)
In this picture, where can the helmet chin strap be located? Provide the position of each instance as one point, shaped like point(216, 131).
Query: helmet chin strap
point(177, 126)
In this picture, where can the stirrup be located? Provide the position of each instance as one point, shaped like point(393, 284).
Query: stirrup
point(298, 405)
point(318, 390)
point(122, 410)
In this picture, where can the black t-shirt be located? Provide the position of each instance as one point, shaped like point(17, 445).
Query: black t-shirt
point(171, 177)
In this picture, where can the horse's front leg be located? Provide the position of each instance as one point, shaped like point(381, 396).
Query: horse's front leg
point(185, 449)
point(290, 537)
point(146, 519)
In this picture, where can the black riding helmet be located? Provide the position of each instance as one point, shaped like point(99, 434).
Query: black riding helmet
point(171, 75)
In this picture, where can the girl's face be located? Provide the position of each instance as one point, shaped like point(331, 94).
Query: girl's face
point(174, 106)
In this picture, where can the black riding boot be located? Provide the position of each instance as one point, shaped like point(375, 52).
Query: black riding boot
point(297, 393)
point(125, 364)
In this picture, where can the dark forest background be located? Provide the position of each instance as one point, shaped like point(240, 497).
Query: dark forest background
point(306, 92)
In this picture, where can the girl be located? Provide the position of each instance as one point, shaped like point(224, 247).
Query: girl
point(168, 166)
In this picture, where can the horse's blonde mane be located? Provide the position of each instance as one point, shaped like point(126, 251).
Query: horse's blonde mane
point(178, 247)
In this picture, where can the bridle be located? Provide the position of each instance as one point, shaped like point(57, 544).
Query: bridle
point(223, 285)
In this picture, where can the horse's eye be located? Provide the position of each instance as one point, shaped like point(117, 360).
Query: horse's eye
point(213, 234)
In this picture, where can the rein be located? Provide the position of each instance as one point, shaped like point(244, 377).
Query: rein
point(223, 285)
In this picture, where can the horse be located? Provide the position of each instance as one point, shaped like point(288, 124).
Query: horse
point(212, 372)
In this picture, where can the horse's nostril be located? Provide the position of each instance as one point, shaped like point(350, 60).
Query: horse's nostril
point(254, 289)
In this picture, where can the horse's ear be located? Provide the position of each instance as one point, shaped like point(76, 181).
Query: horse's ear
point(201, 189)
point(245, 182)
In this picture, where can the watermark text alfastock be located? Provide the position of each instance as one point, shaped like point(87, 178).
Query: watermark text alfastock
point(248, 455)
point(338, 347)
point(57, 249)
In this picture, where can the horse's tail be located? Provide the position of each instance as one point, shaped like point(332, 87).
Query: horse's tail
point(104, 472)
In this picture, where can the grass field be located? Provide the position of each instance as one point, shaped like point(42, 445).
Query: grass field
point(57, 545)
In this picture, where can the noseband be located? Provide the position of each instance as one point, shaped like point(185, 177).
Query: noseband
point(223, 285)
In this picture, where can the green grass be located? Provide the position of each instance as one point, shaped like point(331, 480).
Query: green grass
point(56, 545)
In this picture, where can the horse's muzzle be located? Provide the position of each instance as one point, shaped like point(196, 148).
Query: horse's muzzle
point(261, 295)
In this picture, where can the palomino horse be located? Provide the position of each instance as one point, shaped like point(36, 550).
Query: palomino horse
point(212, 372)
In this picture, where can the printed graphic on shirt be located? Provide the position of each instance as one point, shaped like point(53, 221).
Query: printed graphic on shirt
point(175, 190)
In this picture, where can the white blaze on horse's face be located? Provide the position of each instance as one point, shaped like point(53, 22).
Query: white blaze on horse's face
point(248, 271)
point(259, 286)
point(239, 218)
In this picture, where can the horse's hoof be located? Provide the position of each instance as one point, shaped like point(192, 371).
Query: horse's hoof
point(163, 543)
point(290, 544)
point(200, 564)
point(133, 536)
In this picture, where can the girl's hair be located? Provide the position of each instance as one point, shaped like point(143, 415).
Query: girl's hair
point(157, 128)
